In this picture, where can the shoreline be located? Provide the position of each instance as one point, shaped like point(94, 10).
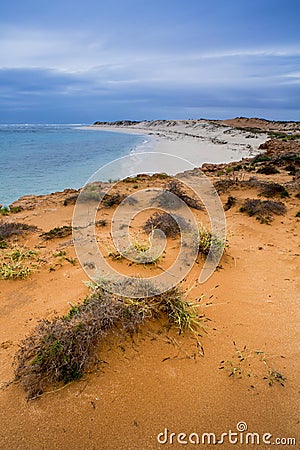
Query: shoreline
point(199, 142)
point(140, 387)
point(209, 143)
point(203, 144)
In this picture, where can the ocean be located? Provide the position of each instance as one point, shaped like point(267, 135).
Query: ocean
point(40, 159)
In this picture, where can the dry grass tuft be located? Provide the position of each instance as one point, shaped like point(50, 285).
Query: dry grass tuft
point(8, 229)
point(231, 201)
point(62, 349)
point(57, 232)
point(177, 189)
point(170, 224)
point(263, 209)
point(273, 189)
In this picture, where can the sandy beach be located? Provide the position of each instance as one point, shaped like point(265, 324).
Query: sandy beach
point(199, 141)
point(244, 368)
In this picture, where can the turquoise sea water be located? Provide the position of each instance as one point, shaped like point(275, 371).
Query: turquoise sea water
point(40, 159)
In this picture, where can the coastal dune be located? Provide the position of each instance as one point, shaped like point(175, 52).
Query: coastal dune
point(242, 368)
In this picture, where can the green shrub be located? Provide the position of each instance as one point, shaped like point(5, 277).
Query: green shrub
point(260, 158)
point(15, 209)
point(16, 263)
point(4, 210)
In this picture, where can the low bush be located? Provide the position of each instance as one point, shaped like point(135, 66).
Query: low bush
point(263, 209)
point(57, 232)
point(8, 229)
point(224, 184)
point(165, 201)
point(62, 349)
point(177, 189)
point(5, 210)
point(273, 189)
point(260, 158)
point(170, 224)
point(267, 170)
point(15, 209)
point(231, 201)
point(101, 223)
point(71, 200)
point(114, 199)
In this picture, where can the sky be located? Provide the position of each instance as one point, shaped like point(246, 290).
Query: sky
point(77, 62)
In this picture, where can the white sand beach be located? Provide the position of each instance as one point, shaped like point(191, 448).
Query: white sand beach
point(198, 141)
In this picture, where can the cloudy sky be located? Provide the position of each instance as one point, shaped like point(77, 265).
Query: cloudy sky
point(76, 62)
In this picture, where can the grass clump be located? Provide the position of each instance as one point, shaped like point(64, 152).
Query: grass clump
point(273, 189)
point(62, 349)
point(17, 263)
point(170, 224)
point(297, 215)
point(224, 184)
point(263, 210)
point(5, 210)
point(62, 255)
point(139, 253)
point(209, 244)
point(57, 232)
